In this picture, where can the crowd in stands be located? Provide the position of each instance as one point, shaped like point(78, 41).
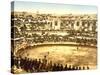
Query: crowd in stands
point(39, 28)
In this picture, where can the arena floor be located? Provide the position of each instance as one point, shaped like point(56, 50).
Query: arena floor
point(72, 55)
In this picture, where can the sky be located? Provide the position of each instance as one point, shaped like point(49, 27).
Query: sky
point(53, 8)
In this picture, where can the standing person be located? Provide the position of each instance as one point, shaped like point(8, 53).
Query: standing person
point(58, 67)
point(61, 67)
point(66, 67)
point(80, 68)
point(44, 62)
point(87, 67)
point(39, 64)
point(49, 67)
point(54, 67)
point(83, 68)
point(70, 67)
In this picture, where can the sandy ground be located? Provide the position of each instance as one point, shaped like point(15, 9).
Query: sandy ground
point(84, 56)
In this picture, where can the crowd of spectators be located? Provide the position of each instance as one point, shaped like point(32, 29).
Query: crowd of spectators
point(39, 28)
